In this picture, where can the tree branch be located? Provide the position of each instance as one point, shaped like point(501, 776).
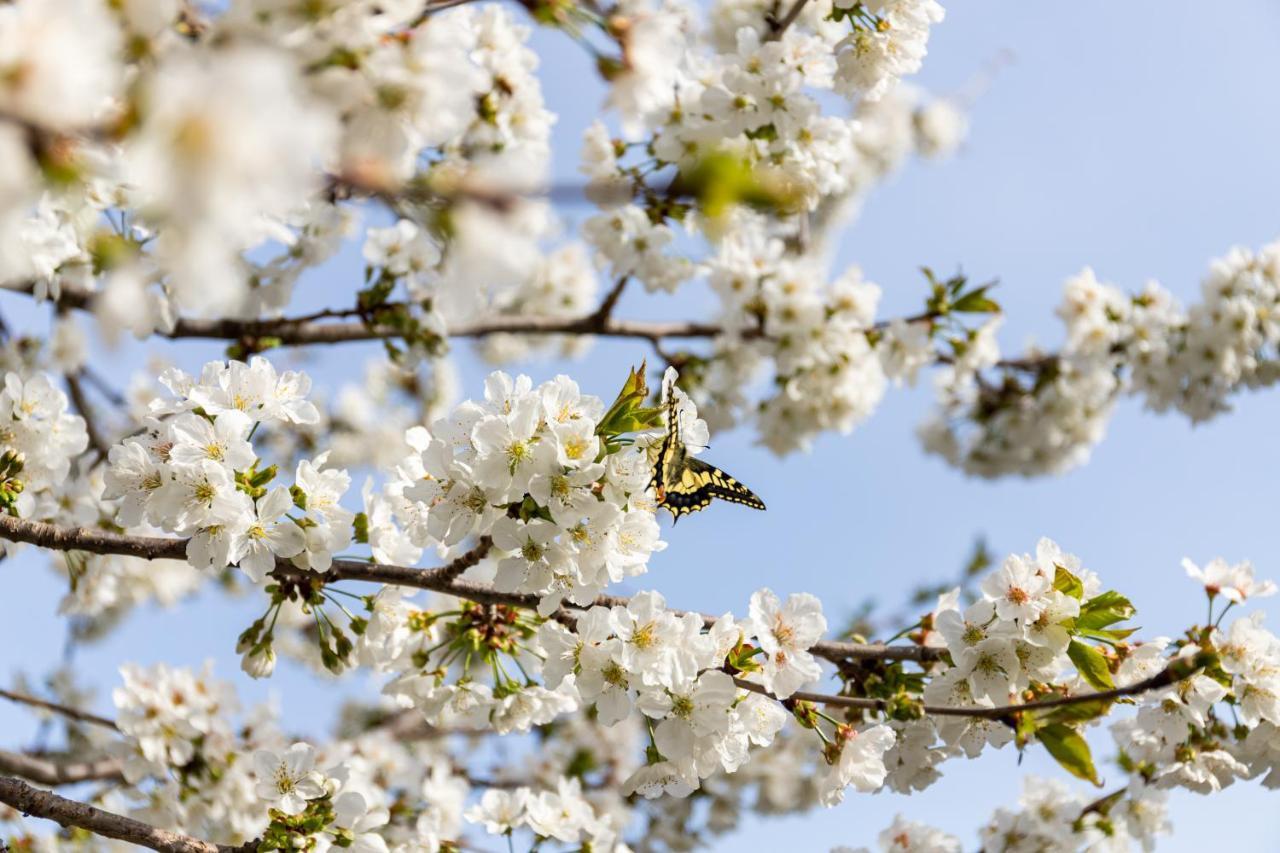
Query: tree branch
point(455, 569)
point(444, 579)
point(777, 29)
point(97, 441)
point(44, 770)
point(69, 813)
point(610, 301)
point(93, 541)
point(1175, 672)
point(304, 330)
point(62, 710)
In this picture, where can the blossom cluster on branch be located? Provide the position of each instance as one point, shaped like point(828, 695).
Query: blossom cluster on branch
point(173, 170)
point(554, 489)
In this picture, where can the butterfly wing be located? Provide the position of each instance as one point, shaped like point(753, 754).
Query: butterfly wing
point(666, 457)
point(685, 484)
point(720, 485)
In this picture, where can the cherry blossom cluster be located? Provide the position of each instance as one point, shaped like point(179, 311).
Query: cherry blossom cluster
point(239, 783)
point(778, 311)
point(163, 193)
point(180, 736)
point(194, 471)
point(860, 49)
point(1054, 817)
point(709, 695)
point(644, 658)
point(179, 143)
point(223, 141)
point(45, 475)
point(1044, 412)
point(544, 476)
point(533, 469)
point(833, 360)
point(1182, 737)
point(1051, 817)
point(39, 440)
point(43, 448)
point(562, 815)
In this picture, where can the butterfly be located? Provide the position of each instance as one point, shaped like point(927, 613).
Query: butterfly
point(683, 483)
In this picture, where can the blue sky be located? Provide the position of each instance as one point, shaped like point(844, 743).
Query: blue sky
point(1138, 138)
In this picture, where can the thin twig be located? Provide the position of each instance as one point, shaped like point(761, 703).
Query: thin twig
point(1174, 673)
point(61, 710)
point(45, 770)
point(776, 30)
point(455, 569)
point(109, 393)
point(610, 301)
point(97, 441)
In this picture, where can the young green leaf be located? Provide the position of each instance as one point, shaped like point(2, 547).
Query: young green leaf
point(976, 302)
point(628, 412)
point(1070, 750)
point(1075, 713)
point(1103, 610)
point(1065, 582)
point(1091, 665)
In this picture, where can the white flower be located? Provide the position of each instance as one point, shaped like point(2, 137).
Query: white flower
point(500, 811)
point(977, 623)
point(1019, 590)
point(562, 814)
point(288, 779)
point(531, 567)
point(401, 249)
point(648, 634)
point(225, 139)
point(1234, 583)
point(905, 836)
point(601, 678)
point(690, 716)
point(785, 633)
point(1142, 661)
point(255, 389)
point(992, 667)
point(508, 457)
point(859, 762)
point(904, 348)
point(655, 780)
point(212, 548)
point(269, 535)
point(324, 488)
point(134, 476)
point(63, 61)
point(223, 441)
point(201, 495)
point(352, 812)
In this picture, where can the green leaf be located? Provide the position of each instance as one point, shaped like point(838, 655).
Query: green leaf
point(1069, 749)
point(1091, 664)
point(723, 179)
point(976, 302)
point(1065, 582)
point(628, 412)
point(1077, 712)
point(1103, 610)
point(1110, 635)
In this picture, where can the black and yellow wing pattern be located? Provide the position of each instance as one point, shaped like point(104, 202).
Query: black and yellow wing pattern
point(684, 483)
